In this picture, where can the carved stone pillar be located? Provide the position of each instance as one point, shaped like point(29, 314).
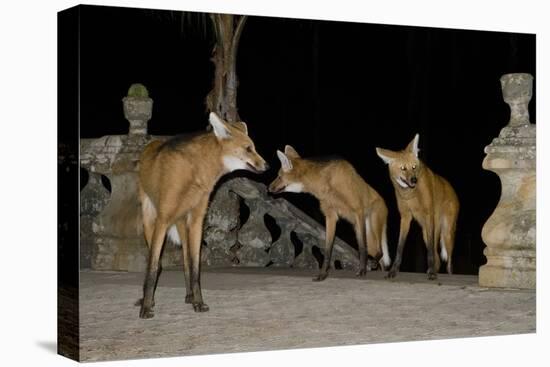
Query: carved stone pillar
point(510, 231)
point(254, 237)
point(117, 229)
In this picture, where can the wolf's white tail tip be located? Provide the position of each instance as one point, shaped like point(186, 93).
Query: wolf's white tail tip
point(443, 252)
point(173, 235)
point(386, 260)
point(385, 253)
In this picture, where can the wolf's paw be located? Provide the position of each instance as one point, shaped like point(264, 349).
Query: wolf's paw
point(146, 313)
point(391, 274)
point(320, 277)
point(373, 264)
point(200, 307)
point(139, 303)
point(189, 298)
point(432, 276)
point(361, 273)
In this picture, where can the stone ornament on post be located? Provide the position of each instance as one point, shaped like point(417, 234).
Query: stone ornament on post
point(138, 108)
point(510, 233)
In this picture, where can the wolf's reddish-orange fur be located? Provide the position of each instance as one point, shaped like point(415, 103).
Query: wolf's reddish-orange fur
point(175, 181)
point(429, 199)
point(342, 193)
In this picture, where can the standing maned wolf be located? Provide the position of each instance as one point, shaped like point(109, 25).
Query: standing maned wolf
point(342, 193)
point(175, 181)
point(426, 197)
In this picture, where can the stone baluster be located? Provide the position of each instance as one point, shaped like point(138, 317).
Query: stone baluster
point(282, 252)
point(254, 237)
point(93, 198)
point(306, 259)
point(510, 231)
point(220, 227)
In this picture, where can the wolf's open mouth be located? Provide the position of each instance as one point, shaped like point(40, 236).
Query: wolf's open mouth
point(277, 190)
point(405, 184)
point(252, 168)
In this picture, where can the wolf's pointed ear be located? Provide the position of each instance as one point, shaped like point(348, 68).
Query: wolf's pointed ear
point(220, 128)
point(413, 146)
point(387, 155)
point(291, 152)
point(241, 126)
point(286, 164)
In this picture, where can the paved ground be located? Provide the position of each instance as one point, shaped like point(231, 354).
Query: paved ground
point(264, 309)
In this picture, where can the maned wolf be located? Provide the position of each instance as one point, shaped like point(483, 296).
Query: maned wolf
point(426, 197)
point(175, 181)
point(342, 193)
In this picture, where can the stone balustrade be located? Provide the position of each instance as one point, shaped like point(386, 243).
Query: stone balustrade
point(258, 248)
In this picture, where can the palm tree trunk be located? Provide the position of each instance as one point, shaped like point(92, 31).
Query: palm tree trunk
point(222, 99)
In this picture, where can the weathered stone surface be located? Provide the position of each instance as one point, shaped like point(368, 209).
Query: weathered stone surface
point(281, 252)
point(305, 258)
point(254, 237)
point(510, 231)
point(138, 111)
point(93, 199)
point(517, 90)
point(221, 225)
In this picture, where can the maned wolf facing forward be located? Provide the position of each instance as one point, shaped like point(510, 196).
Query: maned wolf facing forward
point(342, 193)
point(426, 197)
point(175, 181)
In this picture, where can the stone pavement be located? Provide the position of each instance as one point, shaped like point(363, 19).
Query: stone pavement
point(265, 309)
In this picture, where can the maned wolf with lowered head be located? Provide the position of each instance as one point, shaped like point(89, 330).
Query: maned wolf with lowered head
point(429, 199)
point(175, 181)
point(342, 193)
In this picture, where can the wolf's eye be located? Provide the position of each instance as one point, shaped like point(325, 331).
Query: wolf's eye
point(403, 168)
point(249, 148)
point(414, 166)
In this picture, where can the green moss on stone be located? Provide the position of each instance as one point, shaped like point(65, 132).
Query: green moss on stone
point(138, 90)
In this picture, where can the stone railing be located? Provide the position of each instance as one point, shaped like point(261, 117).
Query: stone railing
point(300, 242)
point(111, 227)
point(510, 232)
